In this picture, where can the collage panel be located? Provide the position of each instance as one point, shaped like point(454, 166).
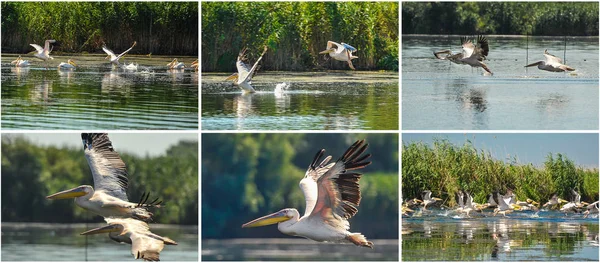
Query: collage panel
point(336, 193)
point(300, 65)
point(99, 65)
point(500, 197)
point(74, 197)
point(500, 66)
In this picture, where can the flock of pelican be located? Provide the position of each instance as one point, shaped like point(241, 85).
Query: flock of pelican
point(474, 55)
point(112, 57)
point(501, 204)
point(127, 221)
point(243, 78)
point(332, 196)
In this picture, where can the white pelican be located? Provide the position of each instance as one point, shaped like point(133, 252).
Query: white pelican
point(332, 195)
point(243, 78)
point(44, 53)
point(465, 203)
point(114, 59)
point(176, 64)
point(591, 209)
point(503, 206)
point(195, 65)
point(20, 63)
point(427, 199)
point(552, 64)
point(144, 244)
point(554, 201)
point(341, 52)
point(471, 55)
point(69, 65)
point(109, 198)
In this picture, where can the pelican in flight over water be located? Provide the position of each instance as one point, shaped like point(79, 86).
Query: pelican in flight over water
point(114, 59)
point(243, 78)
point(19, 62)
point(109, 198)
point(471, 55)
point(341, 52)
point(144, 244)
point(69, 65)
point(552, 64)
point(332, 196)
point(43, 53)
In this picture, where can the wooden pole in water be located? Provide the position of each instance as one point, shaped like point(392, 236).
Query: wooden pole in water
point(565, 51)
point(527, 51)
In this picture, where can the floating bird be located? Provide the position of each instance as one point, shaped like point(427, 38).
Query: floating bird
point(144, 244)
point(471, 55)
point(341, 52)
point(243, 78)
point(195, 65)
point(69, 65)
point(176, 64)
point(114, 59)
point(332, 196)
point(552, 64)
point(44, 53)
point(427, 199)
point(20, 63)
point(109, 198)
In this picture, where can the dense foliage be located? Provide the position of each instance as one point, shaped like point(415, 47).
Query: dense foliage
point(507, 18)
point(295, 32)
point(245, 176)
point(445, 168)
point(31, 172)
point(158, 27)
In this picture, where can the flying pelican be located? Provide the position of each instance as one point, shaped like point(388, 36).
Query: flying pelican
point(575, 204)
point(591, 209)
point(114, 59)
point(554, 201)
point(43, 53)
point(69, 65)
point(427, 199)
point(144, 244)
point(332, 195)
point(552, 64)
point(195, 65)
point(243, 78)
point(176, 64)
point(341, 52)
point(19, 62)
point(471, 55)
point(110, 180)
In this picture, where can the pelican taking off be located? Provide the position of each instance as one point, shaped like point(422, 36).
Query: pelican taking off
point(19, 62)
point(109, 198)
point(552, 64)
point(427, 199)
point(114, 59)
point(471, 55)
point(332, 196)
point(243, 78)
point(43, 53)
point(69, 65)
point(144, 244)
point(341, 52)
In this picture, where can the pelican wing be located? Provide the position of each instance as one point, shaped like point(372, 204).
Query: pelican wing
point(551, 59)
point(108, 170)
point(338, 189)
point(468, 47)
point(37, 47)
point(484, 47)
point(309, 184)
point(575, 197)
point(109, 52)
point(349, 47)
point(47, 45)
point(146, 246)
point(469, 201)
point(125, 52)
point(246, 75)
point(460, 199)
point(502, 204)
point(330, 44)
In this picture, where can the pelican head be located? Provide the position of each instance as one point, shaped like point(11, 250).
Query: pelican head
point(16, 61)
point(72, 193)
point(105, 229)
point(172, 63)
point(72, 62)
point(281, 216)
point(233, 77)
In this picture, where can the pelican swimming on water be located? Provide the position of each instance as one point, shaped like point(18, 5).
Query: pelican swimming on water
point(175, 64)
point(243, 78)
point(114, 59)
point(471, 55)
point(195, 65)
point(109, 198)
point(43, 53)
point(144, 244)
point(69, 65)
point(552, 64)
point(332, 195)
point(341, 52)
point(20, 63)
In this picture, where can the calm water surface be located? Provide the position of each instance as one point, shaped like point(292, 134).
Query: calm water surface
point(96, 96)
point(439, 95)
point(62, 242)
point(308, 101)
point(520, 237)
point(284, 249)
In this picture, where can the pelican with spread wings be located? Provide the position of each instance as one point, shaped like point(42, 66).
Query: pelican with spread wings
point(243, 78)
point(472, 55)
point(144, 244)
point(552, 64)
point(114, 58)
point(341, 52)
point(43, 53)
point(108, 197)
point(332, 195)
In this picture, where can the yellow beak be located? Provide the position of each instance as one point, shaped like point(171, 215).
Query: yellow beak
point(326, 51)
point(71, 193)
point(268, 220)
point(100, 230)
point(233, 76)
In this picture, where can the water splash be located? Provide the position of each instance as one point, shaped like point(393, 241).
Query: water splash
point(281, 88)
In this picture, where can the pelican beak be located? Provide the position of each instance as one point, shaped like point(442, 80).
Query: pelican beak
point(326, 51)
point(72, 63)
point(562, 200)
point(274, 218)
point(100, 230)
point(71, 193)
point(233, 76)
point(533, 64)
point(437, 199)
